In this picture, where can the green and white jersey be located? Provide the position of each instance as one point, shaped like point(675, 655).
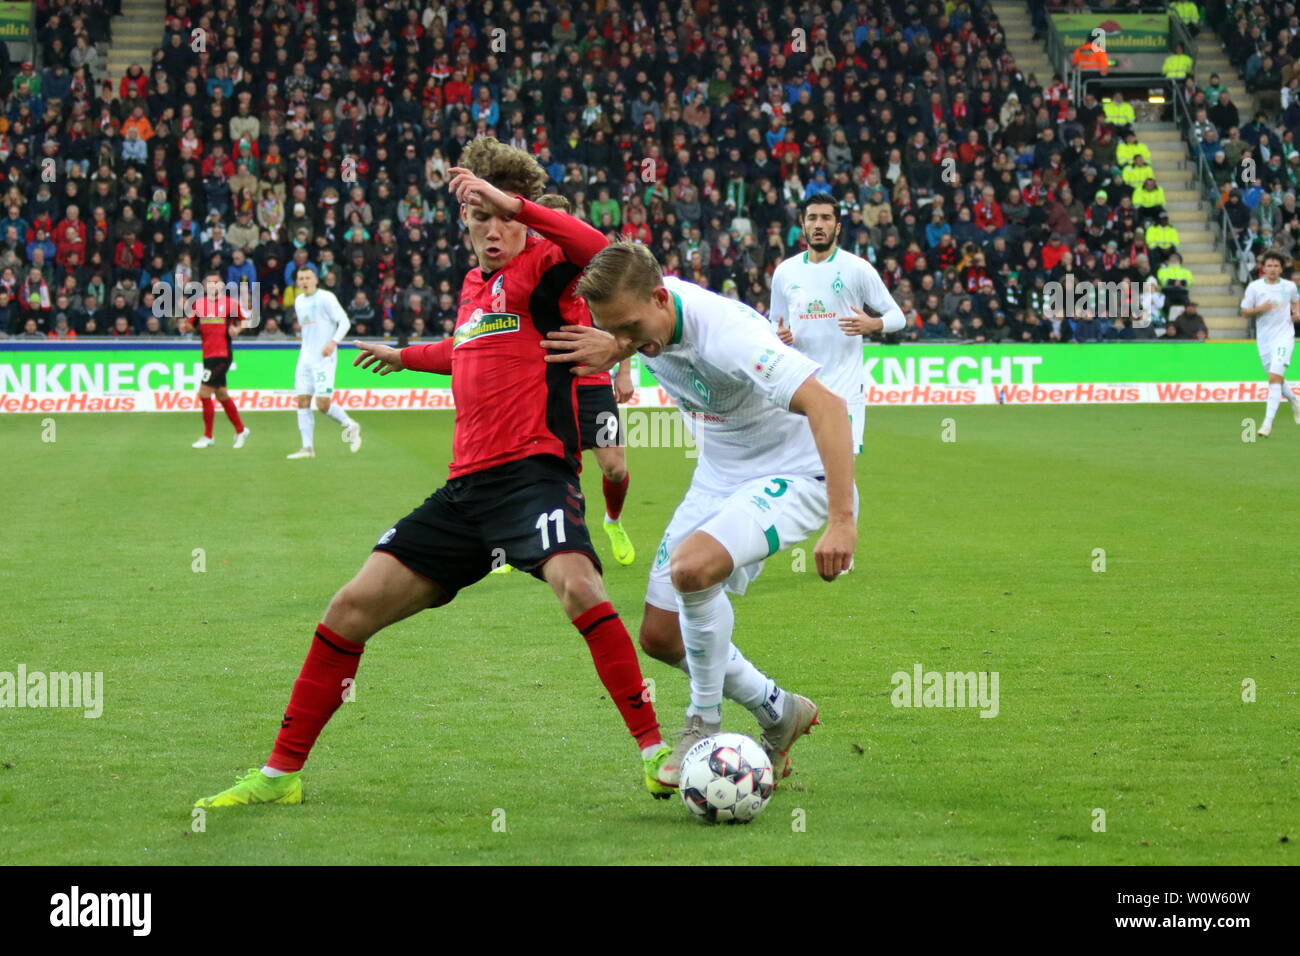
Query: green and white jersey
point(322, 319)
point(1274, 326)
point(813, 296)
point(733, 379)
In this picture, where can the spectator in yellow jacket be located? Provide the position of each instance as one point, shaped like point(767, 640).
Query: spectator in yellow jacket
point(1161, 238)
point(1138, 172)
point(1175, 280)
point(1190, 14)
point(1149, 200)
point(1177, 65)
point(1118, 113)
point(1126, 150)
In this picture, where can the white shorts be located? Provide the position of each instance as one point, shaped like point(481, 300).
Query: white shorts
point(754, 522)
point(858, 418)
point(1276, 356)
point(316, 378)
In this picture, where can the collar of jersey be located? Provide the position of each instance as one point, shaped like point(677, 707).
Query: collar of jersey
point(831, 259)
point(677, 324)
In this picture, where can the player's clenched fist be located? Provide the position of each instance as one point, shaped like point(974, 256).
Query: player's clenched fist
point(834, 552)
point(378, 358)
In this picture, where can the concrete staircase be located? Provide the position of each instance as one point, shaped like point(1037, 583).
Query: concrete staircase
point(1030, 54)
point(1212, 58)
point(1213, 288)
point(136, 33)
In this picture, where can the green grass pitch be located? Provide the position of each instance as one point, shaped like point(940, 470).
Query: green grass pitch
point(1120, 690)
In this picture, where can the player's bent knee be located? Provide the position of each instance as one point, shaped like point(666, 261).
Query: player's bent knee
point(661, 639)
point(613, 464)
point(586, 591)
point(693, 572)
point(351, 614)
point(576, 582)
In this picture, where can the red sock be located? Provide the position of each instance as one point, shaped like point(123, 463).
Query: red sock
point(616, 663)
point(615, 493)
point(319, 691)
point(209, 413)
point(233, 414)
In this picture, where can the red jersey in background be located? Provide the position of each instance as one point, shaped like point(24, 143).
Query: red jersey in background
point(212, 319)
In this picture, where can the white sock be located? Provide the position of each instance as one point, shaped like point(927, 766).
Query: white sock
point(306, 426)
point(1274, 400)
point(272, 772)
point(337, 413)
point(752, 689)
point(706, 621)
point(749, 687)
point(651, 750)
point(1287, 393)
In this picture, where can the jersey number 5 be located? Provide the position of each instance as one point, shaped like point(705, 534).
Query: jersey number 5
point(543, 525)
point(781, 485)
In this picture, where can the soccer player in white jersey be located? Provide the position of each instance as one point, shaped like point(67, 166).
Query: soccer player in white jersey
point(324, 323)
point(775, 464)
point(1273, 302)
point(817, 305)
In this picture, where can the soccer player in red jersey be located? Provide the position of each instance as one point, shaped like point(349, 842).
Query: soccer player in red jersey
point(600, 428)
point(217, 317)
point(513, 491)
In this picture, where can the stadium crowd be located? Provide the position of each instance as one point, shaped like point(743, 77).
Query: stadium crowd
point(321, 134)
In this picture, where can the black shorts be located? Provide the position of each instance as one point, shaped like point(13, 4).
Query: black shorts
point(521, 513)
point(214, 372)
point(599, 425)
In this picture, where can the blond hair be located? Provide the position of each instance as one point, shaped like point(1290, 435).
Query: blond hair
point(555, 201)
point(508, 168)
point(622, 266)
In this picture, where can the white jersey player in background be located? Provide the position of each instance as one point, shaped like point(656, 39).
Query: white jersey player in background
point(818, 300)
point(324, 323)
point(1274, 303)
point(775, 464)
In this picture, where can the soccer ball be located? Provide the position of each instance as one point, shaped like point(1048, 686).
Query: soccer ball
point(726, 778)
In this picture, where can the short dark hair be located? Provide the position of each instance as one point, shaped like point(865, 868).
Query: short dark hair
point(305, 268)
point(1272, 254)
point(818, 199)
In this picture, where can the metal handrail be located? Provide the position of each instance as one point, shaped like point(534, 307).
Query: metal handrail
point(1178, 33)
point(1204, 178)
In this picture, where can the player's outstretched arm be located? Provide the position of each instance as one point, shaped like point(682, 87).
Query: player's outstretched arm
point(378, 358)
point(828, 417)
point(435, 357)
